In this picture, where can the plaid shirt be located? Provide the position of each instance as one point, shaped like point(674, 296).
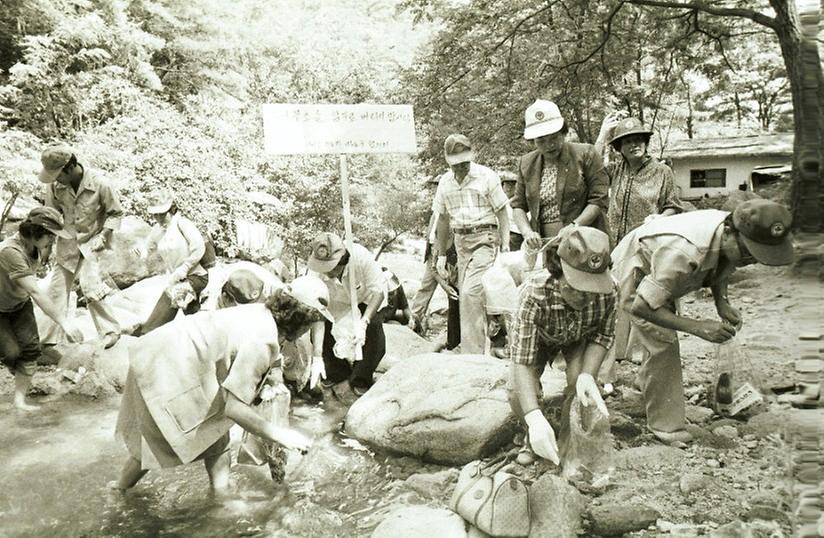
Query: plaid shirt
point(541, 305)
point(473, 202)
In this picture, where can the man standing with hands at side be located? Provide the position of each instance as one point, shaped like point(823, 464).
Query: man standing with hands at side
point(471, 201)
point(92, 211)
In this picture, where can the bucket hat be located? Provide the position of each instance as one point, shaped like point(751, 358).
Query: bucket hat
point(764, 226)
point(626, 127)
point(160, 201)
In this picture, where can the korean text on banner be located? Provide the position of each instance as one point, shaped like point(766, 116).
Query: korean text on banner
point(291, 129)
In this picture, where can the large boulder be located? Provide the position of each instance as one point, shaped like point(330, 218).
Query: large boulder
point(555, 507)
point(402, 342)
point(417, 521)
point(443, 408)
point(124, 266)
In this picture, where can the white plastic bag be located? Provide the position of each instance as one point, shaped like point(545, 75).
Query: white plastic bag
point(346, 341)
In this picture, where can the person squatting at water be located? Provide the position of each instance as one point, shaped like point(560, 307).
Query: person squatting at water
point(92, 211)
point(181, 247)
point(191, 379)
point(340, 269)
point(569, 308)
point(20, 257)
point(665, 259)
point(472, 202)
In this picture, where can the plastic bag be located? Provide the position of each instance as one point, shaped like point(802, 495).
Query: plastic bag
point(345, 339)
point(500, 291)
point(737, 387)
point(589, 451)
point(274, 407)
point(180, 294)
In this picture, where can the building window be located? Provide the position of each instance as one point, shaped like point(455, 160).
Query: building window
point(708, 179)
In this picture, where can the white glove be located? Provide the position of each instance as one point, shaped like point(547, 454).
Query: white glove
point(542, 436)
point(587, 391)
point(179, 274)
point(318, 372)
point(360, 331)
point(440, 267)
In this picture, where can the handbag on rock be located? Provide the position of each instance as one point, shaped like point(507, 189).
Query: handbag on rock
point(492, 500)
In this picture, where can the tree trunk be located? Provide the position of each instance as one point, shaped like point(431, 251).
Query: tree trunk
point(797, 39)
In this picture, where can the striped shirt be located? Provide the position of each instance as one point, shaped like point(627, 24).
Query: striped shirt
point(472, 202)
point(542, 306)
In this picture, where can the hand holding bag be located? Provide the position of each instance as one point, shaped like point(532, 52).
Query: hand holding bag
point(494, 501)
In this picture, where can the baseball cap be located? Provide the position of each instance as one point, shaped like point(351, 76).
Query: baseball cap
point(50, 219)
point(243, 286)
point(327, 250)
point(53, 159)
point(542, 118)
point(584, 254)
point(312, 291)
point(160, 201)
point(764, 226)
point(454, 153)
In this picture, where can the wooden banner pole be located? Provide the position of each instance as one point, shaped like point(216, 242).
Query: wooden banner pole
point(347, 226)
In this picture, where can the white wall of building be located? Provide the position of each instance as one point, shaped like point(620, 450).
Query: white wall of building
point(738, 169)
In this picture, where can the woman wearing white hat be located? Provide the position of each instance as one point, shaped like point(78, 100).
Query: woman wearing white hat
point(192, 379)
point(181, 247)
point(559, 183)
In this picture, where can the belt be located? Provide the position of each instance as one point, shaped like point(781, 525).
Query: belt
point(473, 229)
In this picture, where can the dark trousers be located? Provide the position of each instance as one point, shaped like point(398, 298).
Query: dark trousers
point(453, 324)
point(164, 311)
point(515, 241)
point(19, 340)
point(360, 373)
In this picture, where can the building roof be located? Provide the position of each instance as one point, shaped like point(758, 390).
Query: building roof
point(777, 145)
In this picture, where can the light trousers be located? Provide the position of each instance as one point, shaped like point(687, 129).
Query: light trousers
point(59, 286)
point(476, 254)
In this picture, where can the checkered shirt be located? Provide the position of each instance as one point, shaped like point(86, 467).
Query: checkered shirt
point(473, 202)
point(541, 305)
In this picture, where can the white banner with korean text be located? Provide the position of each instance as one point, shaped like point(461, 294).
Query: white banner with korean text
point(294, 129)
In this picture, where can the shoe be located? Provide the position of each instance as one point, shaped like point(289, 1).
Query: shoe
point(343, 393)
point(110, 339)
point(359, 391)
point(677, 439)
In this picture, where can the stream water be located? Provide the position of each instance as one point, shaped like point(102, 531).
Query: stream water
point(57, 461)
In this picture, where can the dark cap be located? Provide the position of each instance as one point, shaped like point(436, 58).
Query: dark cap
point(764, 226)
point(50, 219)
point(53, 159)
point(243, 286)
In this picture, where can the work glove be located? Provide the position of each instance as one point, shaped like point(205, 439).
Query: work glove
point(97, 242)
point(588, 393)
point(318, 372)
point(179, 274)
point(542, 436)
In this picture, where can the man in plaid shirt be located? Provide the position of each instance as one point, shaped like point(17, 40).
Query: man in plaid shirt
point(470, 201)
point(570, 309)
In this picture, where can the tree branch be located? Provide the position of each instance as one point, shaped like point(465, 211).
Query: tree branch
point(751, 14)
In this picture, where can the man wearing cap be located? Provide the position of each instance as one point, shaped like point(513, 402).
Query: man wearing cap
point(669, 257)
point(641, 186)
point(471, 202)
point(91, 210)
point(559, 183)
point(569, 309)
point(508, 183)
point(20, 257)
point(341, 269)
